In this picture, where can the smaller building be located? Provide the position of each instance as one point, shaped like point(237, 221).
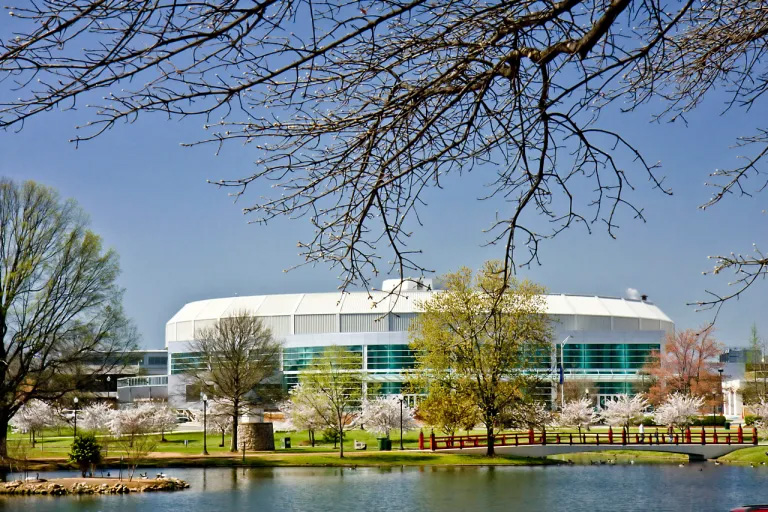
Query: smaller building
point(146, 378)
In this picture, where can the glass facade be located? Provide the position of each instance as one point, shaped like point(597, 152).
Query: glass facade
point(296, 359)
point(390, 357)
point(607, 356)
point(182, 362)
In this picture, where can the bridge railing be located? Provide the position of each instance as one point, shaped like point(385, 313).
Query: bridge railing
point(650, 437)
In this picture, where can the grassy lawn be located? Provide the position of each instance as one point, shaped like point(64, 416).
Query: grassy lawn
point(754, 455)
point(175, 451)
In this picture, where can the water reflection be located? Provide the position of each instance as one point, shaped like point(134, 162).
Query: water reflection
point(432, 488)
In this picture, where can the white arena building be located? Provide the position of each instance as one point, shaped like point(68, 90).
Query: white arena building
point(607, 340)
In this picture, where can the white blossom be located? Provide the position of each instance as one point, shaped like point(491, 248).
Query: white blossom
point(624, 411)
point(96, 417)
point(577, 413)
point(678, 410)
point(382, 414)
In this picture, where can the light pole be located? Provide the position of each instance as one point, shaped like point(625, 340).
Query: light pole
point(561, 373)
point(75, 433)
point(205, 424)
point(722, 396)
point(400, 399)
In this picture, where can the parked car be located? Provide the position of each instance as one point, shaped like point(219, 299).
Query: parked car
point(182, 419)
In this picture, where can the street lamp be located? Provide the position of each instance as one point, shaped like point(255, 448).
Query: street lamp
point(205, 424)
point(561, 373)
point(75, 433)
point(722, 397)
point(400, 399)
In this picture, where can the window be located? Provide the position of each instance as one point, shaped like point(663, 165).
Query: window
point(296, 359)
point(390, 357)
point(605, 356)
point(182, 362)
point(157, 361)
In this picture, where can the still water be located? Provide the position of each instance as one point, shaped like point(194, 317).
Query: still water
point(472, 489)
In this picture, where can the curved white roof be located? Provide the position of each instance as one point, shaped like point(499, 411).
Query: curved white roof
point(362, 302)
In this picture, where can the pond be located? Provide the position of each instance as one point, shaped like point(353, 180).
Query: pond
point(695, 487)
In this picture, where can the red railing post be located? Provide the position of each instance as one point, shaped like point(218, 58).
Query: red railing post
point(432, 444)
point(421, 440)
point(703, 436)
point(754, 435)
point(597, 438)
point(714, 436)
point(503, 439)
point(544, 437)
point(688, 435)
point(461, 443)
point(530, 436)
point(558, 438)
point(623, 436)
point(517, 440)
point(728, 438)
point(570, 438)
point(740, 435)
point(610, 435)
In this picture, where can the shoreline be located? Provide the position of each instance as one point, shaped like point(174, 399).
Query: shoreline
point(370, 459)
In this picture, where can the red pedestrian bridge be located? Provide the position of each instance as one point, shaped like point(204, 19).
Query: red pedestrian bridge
point(698, 443)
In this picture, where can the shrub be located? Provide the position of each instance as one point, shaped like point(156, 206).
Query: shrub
point(749, 420)
point(85, 452)
point(330, 435)
point(707, 421)
point(647, 421)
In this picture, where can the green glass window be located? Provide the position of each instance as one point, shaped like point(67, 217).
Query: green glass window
point(296, 359)
point(182, 362)
point(390, 357)
point(607, 356)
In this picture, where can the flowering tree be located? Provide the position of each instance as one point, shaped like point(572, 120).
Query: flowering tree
point(134, 427)
point(164, 419)
point(577, 413)
point(382, 414)
point(678, 410)
point(33, 417)
point(301, 415)
point(760, 409)
point(218, 419)
point(624, 411)
point(96, 417)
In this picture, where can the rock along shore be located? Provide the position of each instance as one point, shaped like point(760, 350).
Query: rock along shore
point(67, 486)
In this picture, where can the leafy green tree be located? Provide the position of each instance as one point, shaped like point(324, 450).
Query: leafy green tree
point(61, 318)
point(480, 335)
point(446, 409)
point(85, 452)
point(332, 387)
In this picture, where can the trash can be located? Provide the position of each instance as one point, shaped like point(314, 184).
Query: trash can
point(385, 444)
point(286, 442)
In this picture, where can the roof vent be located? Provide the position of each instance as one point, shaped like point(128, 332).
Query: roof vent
point(409, 284)
point(643, 298)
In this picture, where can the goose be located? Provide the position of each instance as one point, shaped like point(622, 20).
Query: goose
point(681, 465)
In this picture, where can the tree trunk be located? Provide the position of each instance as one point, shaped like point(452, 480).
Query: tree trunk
point(222, 438)
point(341, 438)
point(312, 437)
point(490, 439)
point(3, 435)
point(235, 414)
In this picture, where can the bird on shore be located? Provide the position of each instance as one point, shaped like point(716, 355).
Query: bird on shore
point(631, 461)
point(751, 464)
point(681, 465)
point(717, 463)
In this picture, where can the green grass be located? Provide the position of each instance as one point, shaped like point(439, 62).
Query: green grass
point(754, 455)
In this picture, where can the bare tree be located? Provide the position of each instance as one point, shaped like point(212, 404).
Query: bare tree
point(61, 319)
point(239, 364)
point(354, 109)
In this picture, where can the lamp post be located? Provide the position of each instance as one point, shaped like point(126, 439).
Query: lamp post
point(75, 433)
point(205, 424)
point(722, 397)
point(561, 373)
point(400, 399)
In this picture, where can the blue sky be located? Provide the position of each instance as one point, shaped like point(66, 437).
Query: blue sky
point(181, 239)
